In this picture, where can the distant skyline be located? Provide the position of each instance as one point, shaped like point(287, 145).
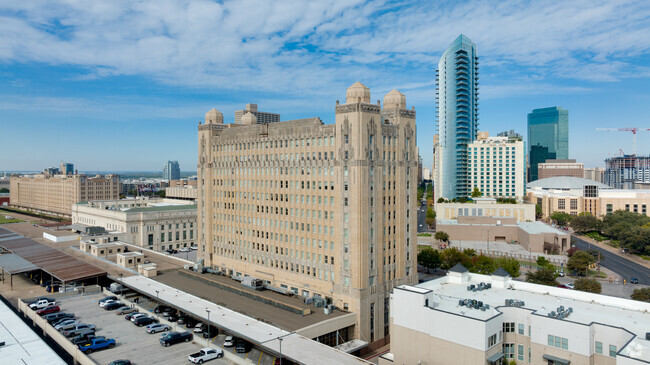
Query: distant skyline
point(123, 85)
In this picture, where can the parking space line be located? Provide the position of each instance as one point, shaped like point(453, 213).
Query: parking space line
point(273, 360)
point(248, 353)
point(260, 359)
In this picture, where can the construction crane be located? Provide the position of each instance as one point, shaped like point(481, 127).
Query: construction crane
point(633, 130)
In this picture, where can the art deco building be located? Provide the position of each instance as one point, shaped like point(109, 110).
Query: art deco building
point(322, 210)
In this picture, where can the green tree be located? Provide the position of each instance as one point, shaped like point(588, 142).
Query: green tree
point(588, 285)
point(429, 258)
point(483, 265)
point(509, 264)
point(441, 236)
point(450, 257)
point(476, 193)
point(642, 294)
point(542, 276)
point(584, 223)
point(542, 261)
point(580, 261)
point(4, 190)
point(441, 200)
point(561, 218)
point(431, 213)
point(538, 211)
point(430, 221)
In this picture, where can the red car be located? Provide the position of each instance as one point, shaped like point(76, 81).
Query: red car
point(48, 310)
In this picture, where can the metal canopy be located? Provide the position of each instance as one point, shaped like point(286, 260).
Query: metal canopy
point(14, 264)
point(496, 357)
point(56, 263)
point(556, 360)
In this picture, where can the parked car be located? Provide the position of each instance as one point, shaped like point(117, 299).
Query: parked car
point(54, 317)
point(157, 327)
point(210, 331)
point(198, 328)
point(125, 310)
point(204, 355)
point(559, 273)
point(143, 321)
point(130, 315)
point(77, 329)
point(106, 299)
point(113, 306)
point(184, 249)
point(195, 247)
point(137, 315)
point(175, 337)
point(65, 324)
point(183, 319)
point(48, 310)
point(242, 346)
point(160, 309)
point(40, 298)
point(229, 341)
point(634, 281)
point(97, 344)
point(52, 288)
point(120, 362)
point(570, 285)
point(84, 337)
point(172, 317)
point(191, 323)
point(169, 311)
point(62, 320)
point(40, 304)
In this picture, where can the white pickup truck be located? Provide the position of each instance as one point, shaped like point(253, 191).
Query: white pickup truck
point(41, 304)
point(204, 355)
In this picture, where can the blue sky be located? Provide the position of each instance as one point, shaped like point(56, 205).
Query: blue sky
point(121, 85)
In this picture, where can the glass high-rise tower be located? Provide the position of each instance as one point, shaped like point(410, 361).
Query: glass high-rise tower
point(171, 171)
point(457, 117)
point(548, 137)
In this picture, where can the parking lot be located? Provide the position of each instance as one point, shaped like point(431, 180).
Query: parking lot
point(133, 342)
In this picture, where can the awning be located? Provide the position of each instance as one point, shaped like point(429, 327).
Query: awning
point(496, 357)
point(352, 346)
point(556, 360)
point(14, 264)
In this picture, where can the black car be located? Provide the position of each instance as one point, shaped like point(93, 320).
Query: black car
point(634, 281)
point(144, 321)
point(183, 319)
point(175, 337)
point(82, 340)
point(172, 317)
point(242, 346)
point(169, 311)
point(210, 331)
point(113, 306)
point(55, 317)
point(112, 297)
point(191, 323)
point(160, 309)
point(120, 362)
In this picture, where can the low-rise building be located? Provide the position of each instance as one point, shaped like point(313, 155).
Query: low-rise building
point(486, 207)
point(156, 223)
point(466, 318)
point(552, 168)
point(596, 174)
point(185, 193)
point(55, 194)
point(532, 236)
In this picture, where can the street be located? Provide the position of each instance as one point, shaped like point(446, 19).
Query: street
point(422, 215)
point(625, 268)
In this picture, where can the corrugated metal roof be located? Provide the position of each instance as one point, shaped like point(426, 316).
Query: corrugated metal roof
point(59, 264)
point(14, 264)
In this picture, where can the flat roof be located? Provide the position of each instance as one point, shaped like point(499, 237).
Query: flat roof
point(59, 264)
point(539, 227)
point(160, 208)
point(587, 307)
point(22, 344)
point(294, 346)
point(14, 264)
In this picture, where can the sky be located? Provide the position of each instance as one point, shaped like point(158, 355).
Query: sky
point(121, 85)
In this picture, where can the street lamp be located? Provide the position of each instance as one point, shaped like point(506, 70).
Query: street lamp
point(157, 301)
point(121, 283)
point(280, 339)
point(207, 310)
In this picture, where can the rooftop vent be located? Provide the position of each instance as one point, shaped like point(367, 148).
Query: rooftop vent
point(515, 303)
point(561, 312)
point(473, 304)
point(479, 287)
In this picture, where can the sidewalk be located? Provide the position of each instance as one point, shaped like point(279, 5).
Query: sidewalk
point(616, 251)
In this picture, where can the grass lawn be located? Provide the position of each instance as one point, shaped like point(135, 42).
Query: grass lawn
point(3, 220)
point(596, 235)
point(424, 234)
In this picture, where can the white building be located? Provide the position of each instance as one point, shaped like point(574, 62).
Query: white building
point(497, 166)
point(156, 223)
point(466, 318)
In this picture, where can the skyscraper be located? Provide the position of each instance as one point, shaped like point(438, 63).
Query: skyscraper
point(171, 171)
point(548, 137)
point(457, 99)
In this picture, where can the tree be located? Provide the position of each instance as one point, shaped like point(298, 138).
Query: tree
point(4, 190)
point(483, 265)
point(543, 276)
point(584, 223)
point(588, 285)
point(430, 217)
point(450, 257)
point(572, 251)
point(580, 261)
point(641, 294)
point(441, 200)
point(542, 261)
point(441, 236)
point(561, 218)
point(476, 193)
point(538, 211)
point(429, 221)
point(509, 264)
point(429, 258)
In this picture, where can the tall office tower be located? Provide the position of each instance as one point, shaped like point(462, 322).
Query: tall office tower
point(262, 117)
point(548, 137)
point(326, 211)
point(627, 172)
point(497, 166)
point(457, 99)
point(67, 168)
point(171, 171)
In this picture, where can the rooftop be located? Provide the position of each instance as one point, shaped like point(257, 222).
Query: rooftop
point(564, 183)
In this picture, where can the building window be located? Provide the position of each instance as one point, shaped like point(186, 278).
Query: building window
point(492, 340)
point(610, 209)
point(599, 347)
point(509, 350)
point(561, 204)
point(520, 352)
point(612, 350)
point(574, 204)
point(559, 342)
point(520, 328)
point(508, 327)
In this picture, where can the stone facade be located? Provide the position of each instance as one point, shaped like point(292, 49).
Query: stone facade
point(55, 194)
point(321, 210)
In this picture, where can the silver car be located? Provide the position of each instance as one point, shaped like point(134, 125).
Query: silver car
point(157, 327)
point(66, 325)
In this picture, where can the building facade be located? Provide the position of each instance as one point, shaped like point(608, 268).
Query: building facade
point(548, 137)
point(596, 174)
point(552, 168)
point(185, 193)
point(497, 166)
point(625, 171)
point(466, 318)
point(67, 168)
point(321, 210)
point(55, 194)
point(262, 117)
point(171, 171)
point(486, 207)
point(457, 101)
point(157, 224)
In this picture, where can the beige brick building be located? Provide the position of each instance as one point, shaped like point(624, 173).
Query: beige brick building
point(55, 194)
point(322, 210)
point(186, 193)
point(553, 168)
point(497, 166)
